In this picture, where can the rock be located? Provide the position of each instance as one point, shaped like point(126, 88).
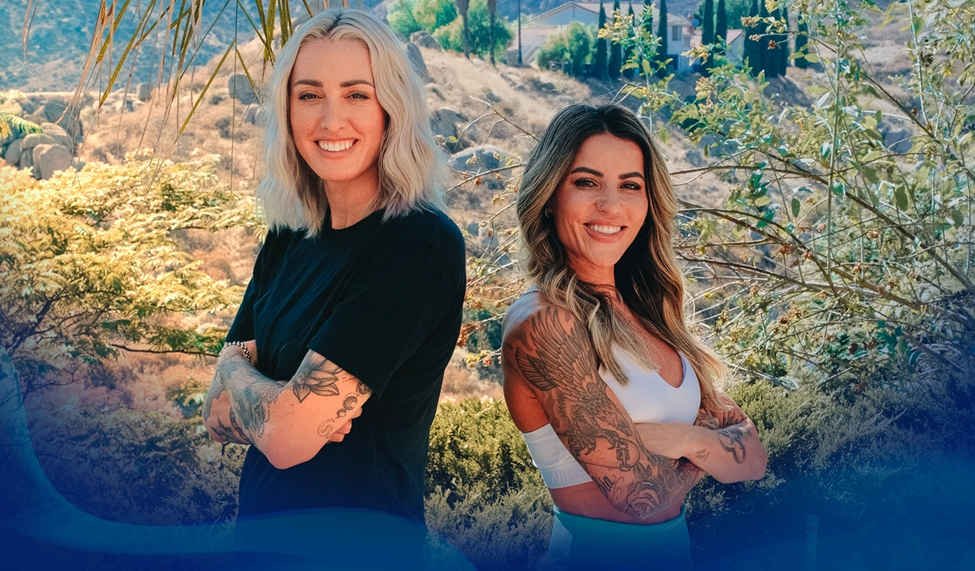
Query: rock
point(54, 108)
point(241, 89)
point(416, 60)
point(492, 97)
point(34, 139)
point(473, 228)
point(481, 160)
point(77, 164)
point(48, 159)
point(12, 156)
point(26, 159)
point(59, 135)
point(143, 92)
point(28, 106)
point(695, 158)
point(424, 40)
point(444, 122)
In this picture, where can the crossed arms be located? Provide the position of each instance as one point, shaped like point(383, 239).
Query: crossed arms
point(288, 421)
point(641, 469)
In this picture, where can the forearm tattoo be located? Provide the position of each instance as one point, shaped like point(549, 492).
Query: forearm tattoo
point(561, 364)
point(316, 375)
point(731, 437)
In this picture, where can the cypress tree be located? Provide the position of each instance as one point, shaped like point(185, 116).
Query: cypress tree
point(707, 32)
point(784, 42)
point(599, 66)
point(615, 50)
point(765, 59)
point(648, 5)
point(630, 73)
point(721, 25)
point(802, 30)
point(750, 54)
point(662, 50)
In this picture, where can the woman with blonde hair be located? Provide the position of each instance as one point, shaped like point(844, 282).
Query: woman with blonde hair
point(355, 303)
point(618, 402)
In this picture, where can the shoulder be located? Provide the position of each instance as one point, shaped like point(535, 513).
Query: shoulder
point(532, 320)
point(428, 229)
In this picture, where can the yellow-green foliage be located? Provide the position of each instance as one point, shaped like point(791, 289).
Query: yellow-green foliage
point(88, 264)
point(484, 494)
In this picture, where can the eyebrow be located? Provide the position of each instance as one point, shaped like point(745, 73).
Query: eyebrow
point(594, 172)
point(350, 83)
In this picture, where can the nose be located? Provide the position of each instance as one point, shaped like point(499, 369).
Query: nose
point(332, 116)
point(608, 200)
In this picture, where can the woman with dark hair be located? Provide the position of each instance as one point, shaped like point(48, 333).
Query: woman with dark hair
point(355, 304)
point(617, 400)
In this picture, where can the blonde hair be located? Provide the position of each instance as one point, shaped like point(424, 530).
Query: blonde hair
point(410, 163)
point(648, 277)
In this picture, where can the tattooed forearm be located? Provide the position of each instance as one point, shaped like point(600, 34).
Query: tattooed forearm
point(316, 375)
point(554, 353)
point(733, 440)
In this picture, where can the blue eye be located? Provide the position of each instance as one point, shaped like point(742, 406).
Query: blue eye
point(360, 96)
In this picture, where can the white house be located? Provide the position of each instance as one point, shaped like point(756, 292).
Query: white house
point(540, 27)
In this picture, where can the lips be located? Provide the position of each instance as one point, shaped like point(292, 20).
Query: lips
point(336, 146)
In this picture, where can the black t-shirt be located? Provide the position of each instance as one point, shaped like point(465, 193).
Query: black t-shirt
point(382, 300)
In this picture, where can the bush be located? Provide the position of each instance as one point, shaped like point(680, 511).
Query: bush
point(451, 36)
point(573, 46)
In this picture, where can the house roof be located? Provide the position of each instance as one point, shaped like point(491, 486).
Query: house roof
point(672, 19)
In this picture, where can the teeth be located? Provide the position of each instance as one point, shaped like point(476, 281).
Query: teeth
point(605, 229)
point(335, 146)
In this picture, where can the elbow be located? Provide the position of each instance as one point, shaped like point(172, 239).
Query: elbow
point(282, 451)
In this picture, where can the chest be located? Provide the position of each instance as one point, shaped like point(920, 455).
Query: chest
point(647, 397)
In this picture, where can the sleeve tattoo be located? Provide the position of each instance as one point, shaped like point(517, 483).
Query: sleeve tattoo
point(562, 366)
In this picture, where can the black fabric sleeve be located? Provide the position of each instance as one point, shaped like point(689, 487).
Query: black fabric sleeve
point(400, 297)
point(242, 328)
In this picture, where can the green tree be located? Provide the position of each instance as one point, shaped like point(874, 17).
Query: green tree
point(492, 7)
point(600, 64)
point(615, 50)
point(462, 8)
point(574, 46)
point(721, 28)
point(707, 31)
point(401, 20)
point(451, 36)
point(90, 265)
point(432, 15)
point(662, 49)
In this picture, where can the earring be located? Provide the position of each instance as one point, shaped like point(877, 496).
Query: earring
point(547, 212)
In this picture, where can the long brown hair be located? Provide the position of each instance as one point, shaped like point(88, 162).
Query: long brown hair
point(648, 278)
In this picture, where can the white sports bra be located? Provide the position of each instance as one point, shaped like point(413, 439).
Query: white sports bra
point(647, 398)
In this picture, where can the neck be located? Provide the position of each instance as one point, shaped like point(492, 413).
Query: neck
point(350, 203)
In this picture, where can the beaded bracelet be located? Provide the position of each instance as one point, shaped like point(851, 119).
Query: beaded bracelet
point(247, 353)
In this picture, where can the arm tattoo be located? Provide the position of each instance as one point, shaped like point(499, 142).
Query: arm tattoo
point(733, 439)
point(316, 375)
point(562, 366)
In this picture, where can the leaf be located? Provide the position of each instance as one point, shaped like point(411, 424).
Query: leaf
point(812, 58)
point(796, 206)
point(762, 201)
point(870, 174)
point(957, 217)
point(900, 198)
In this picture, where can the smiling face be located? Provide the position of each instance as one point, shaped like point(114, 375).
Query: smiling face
point(600, 206)
point(336, 120)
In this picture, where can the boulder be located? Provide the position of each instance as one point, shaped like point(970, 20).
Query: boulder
point(26, 160)
point(48, 159)
point(54, 108)
point(143, 92)
point(59, 135)
point(444, 122)
point(241, 89)
point(424, 40)
point(479, 159)
point(34, 139)
point(695, 158)
point(416, 59)
point(12, 156)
